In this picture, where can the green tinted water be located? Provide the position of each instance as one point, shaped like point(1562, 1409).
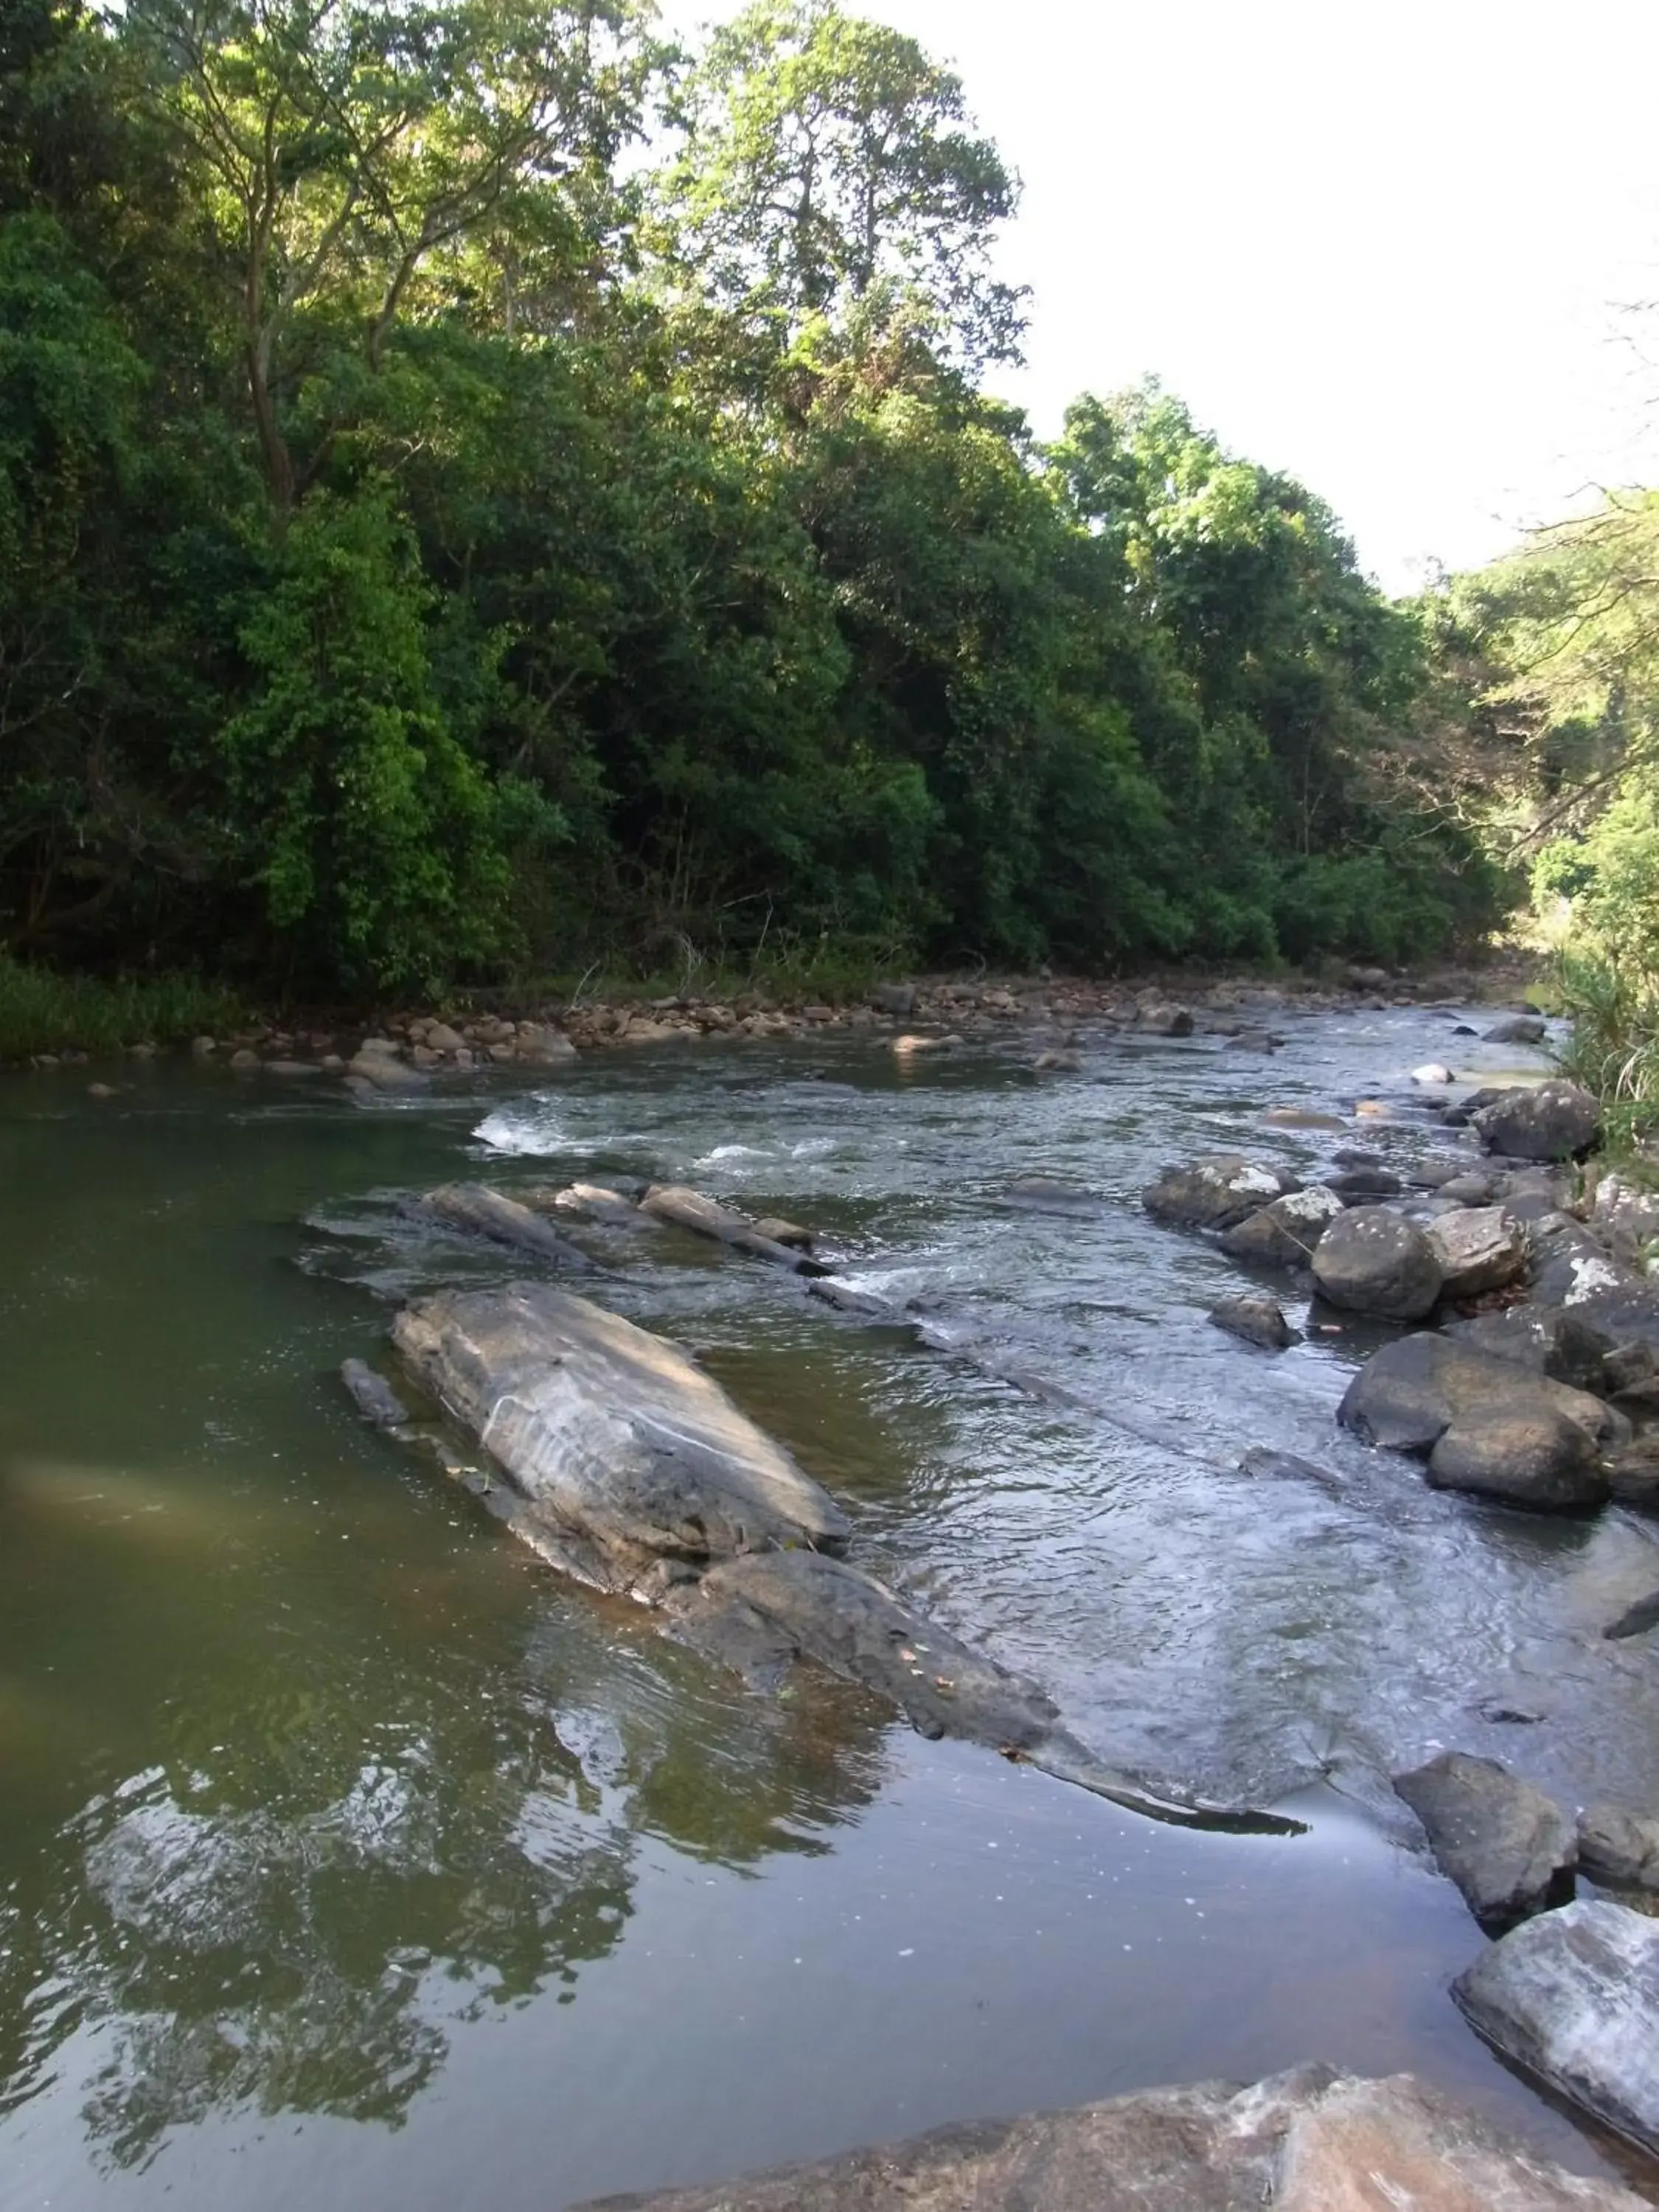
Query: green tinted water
point(344, 1851)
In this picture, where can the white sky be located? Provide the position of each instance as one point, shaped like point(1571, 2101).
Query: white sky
point(1383, 244)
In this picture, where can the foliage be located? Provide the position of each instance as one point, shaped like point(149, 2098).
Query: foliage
point(41, 1012)
point(479, 495)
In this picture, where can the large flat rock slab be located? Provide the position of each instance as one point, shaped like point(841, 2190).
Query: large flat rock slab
point(1574, 1995)
point(1304, 2142)
point(626, 1455)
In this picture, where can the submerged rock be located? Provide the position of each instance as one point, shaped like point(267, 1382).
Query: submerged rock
point(689, 1209)
point(1480, 1248)
point(373, 1395)
point(1574, 1995)
point(1257, 1320)
point(1510, 1849)
point(1307, 2140)
point(1544, 1121)
point(1211, 1194)
point(1371, 1260)
point(475, 1207)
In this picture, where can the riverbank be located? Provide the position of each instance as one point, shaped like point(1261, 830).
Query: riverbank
point(47, 1021)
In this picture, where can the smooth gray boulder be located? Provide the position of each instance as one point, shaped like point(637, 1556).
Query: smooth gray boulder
point(1257, 1321)
point(1510, 1849)
point(1408, 1394)
point(1213, 1193)
point(1627, 1216)
point(1618, 1847)
point(1574, 1995)
point(1540, 1121)
point(1480, 1248)
point(1307, 2140)
point(625, 1456)
point(1165, 1020)
point(1528, 1454)
point(538, 1044)
point(1282, 1234)
point(1374, 1261)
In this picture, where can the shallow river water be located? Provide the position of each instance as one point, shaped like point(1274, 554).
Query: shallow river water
point(349, 1858)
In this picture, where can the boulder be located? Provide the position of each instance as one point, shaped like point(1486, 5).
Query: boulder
point(623, 1454)
point(1510, 1849)
point(1618, 1847)
point(1480, 1248)
point(1371, 1261)
point(1574, 1996)
point(1636, 1619)
point(1550, 1341)
point(1633, 1471)
point(373, 1395)
point(1058, 1063)
point(1520, 1029)
point(1545, 1122)
point(627, 1468)
point(1257, 1320)
point(1163, 1020)
point(378, 1063)
point(538, 1044)
point(1570, 1266)
point(1528, 1454)
point(1213, 1193)
point(897, 998)
point(1308, 2140)
point(1284, 1233)
point(689, 1209)
point(1363, 1184)
point(1627, 1217)
point(1434, 1072)
point(475, 1207)
point(1409, 1393)
point(1469, 1187)
point(441, 1037)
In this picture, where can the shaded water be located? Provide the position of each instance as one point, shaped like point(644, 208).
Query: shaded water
point(345, 1851)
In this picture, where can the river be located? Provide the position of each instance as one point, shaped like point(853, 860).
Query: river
point(347, 1856)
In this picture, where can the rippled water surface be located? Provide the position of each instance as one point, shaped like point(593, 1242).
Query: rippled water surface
point(347, 1855)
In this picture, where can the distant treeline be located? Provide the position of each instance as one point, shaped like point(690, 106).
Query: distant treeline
point(481, 490)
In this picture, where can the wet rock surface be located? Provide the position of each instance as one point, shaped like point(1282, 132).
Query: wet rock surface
point(1308, 2141)
point(1480, 1249)
point(1531, 1456)
point(1282, 1234)
point(1410, 1394)
point(1257, 1321)
point(1510, 1849)
point(1574, 1995)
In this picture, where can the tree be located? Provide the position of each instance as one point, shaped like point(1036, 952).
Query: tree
point(830, 163)
point(336, 147)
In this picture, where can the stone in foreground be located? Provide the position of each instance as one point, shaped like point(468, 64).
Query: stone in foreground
point(1574, 1995)
point(1532, 1455)
point(1408, 1394)
point(627, 1456)
point(1373, 1262)
point(1510, 1849)
point(1308, 2140)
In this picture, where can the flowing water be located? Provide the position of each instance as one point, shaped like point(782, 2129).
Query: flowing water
point(348, 1856)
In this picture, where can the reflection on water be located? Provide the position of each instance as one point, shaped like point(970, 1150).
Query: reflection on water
point(345, 1851)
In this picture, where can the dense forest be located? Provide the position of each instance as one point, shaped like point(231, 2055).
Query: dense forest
point(482, 491)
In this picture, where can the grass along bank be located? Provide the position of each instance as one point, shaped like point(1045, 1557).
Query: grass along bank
point(42, 1011)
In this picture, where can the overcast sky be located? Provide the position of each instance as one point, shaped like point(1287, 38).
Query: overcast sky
point(1383, 244)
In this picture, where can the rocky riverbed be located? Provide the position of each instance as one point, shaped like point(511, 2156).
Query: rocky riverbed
point(339, 1796)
